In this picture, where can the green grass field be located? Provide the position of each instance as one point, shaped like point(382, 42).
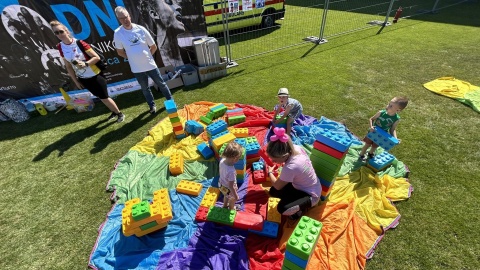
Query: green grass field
point(54, 168)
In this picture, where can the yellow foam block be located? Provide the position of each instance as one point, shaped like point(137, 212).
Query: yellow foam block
point(160, 209)
point(155, 228)
point(210, 197)
point(218, 142)
point(272, 212)
point(189, 187)
point(176, 163)
point(173, 115)
point(239, 132)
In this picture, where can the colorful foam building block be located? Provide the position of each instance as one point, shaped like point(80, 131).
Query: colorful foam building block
point(210, 197)
point(180, 135)
point(170, 106)
point(141, 210)
point(221, 215)
point(233, 120)
point(201, 215)
point(259, 177)
point(205, 120)
point(270, 229)
point(218, 110)
point(176, 163)
point(205, 151)
point(257, 166)
point(244, 220)
point(189, 187)
point(239, 132)
point(293, 262)
point(252, 148)
point(383, 138)
point(304, 238)
point(329, 150)
point(193, 127)
point(272, 213)
point(380, 161)
point(334, 140)
point(160, 213)
point(218, 142)
point(216, 127)
point(241, 141)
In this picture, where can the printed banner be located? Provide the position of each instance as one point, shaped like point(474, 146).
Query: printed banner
point(31, 66)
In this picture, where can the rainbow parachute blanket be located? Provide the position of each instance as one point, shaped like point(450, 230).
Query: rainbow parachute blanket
point(356, 216)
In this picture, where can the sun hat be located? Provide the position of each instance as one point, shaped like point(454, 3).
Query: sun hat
point(282, 92)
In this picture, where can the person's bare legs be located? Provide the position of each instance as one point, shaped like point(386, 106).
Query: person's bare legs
point(289, 125)
point(231, 204)
point(364, 149)
point(111, 105)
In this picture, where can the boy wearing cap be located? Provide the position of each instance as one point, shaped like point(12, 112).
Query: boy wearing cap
point(292, 108)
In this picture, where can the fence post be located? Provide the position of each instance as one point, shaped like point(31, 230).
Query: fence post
point(226, 31)
point(385, 23)
point(324, 22)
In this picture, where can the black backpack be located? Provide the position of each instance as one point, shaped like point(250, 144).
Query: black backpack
point(102, 64)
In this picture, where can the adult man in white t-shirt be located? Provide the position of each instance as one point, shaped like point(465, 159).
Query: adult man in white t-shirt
point(135, 43)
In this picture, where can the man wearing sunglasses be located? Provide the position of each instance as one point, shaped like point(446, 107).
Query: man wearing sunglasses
point(134, 42)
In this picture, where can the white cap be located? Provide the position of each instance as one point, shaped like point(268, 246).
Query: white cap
point(282, 92)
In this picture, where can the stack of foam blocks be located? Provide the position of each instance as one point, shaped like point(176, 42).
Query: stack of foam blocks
point(241, 220)
point(329, 151)
point(171, 108)
point(218, 135)
point(215, 111)
point(301, 244)
point(235, 116)
point(142, 217)
point(252, 146)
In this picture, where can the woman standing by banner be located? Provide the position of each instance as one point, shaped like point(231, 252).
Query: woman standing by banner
point(83, 71)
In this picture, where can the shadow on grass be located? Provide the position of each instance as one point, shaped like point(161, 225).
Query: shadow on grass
point(72, 139)
point(124, 131)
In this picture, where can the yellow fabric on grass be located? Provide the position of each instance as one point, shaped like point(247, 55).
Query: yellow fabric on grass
point(450, 87)
point(371, 195)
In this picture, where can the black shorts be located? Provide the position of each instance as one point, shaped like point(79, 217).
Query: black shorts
point(97, 85)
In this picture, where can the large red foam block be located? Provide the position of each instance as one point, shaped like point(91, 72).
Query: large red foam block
point(263, 153)
point(245, 220)
point(202, 213)
point(328, 150)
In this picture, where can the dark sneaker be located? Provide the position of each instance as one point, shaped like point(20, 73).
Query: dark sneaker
point(153, 109)
point(121, 118)
point(362, 158)
point(296, 216)
point(112, 116)
point(370, 155)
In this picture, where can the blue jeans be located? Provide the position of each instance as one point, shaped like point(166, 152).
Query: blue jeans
point(142, 78)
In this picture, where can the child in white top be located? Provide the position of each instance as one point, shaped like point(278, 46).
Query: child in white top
point(292, 108)
point(228, 174)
